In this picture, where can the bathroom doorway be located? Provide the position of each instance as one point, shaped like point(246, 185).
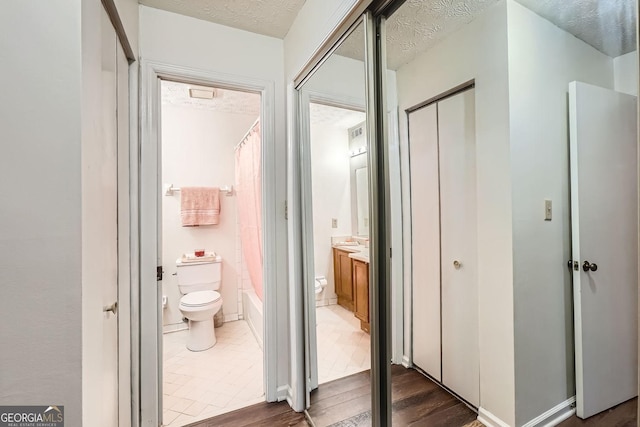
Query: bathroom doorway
point(211, 251)
point(340, 239)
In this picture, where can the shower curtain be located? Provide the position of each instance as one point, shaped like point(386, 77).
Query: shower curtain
point(249, 194)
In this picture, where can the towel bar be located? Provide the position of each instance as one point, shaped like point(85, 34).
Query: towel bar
point(169, 189)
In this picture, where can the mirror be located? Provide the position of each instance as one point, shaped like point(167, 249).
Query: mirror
point(504, 106)
point(362, 196)
point(335, 233)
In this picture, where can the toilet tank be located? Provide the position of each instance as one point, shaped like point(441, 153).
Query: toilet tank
point(199, 276)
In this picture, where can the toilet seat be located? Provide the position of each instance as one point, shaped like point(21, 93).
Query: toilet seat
point(199, 298)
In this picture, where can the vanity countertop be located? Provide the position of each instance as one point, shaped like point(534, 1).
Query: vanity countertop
point(349, 248)
point(359, 252)
point(361, 256)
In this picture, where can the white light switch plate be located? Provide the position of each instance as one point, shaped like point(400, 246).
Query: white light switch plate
point(547, 210)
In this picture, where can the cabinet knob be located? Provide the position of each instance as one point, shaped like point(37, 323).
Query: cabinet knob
point(457, 264)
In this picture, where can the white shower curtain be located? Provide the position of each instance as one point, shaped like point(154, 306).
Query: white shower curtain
point(249, 193)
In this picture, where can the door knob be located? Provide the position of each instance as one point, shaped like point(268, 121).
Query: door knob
point(586, 266)
point(457, 264)
point(111, 308)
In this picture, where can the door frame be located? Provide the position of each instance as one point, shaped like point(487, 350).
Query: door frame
point(148, 324)
point(305, 98)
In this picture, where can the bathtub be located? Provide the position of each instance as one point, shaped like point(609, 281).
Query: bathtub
point(253, 314)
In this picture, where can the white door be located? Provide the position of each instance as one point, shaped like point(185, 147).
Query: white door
point(458, 245)
point(425, 241)
point(604, 218)
point(105, 182)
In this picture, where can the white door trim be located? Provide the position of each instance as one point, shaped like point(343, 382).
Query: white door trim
point(149, 192)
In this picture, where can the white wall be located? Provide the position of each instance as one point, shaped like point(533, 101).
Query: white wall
point(625, 69)
point(331, 194)
point(543, 59)
point(40, 223)
point(339, 77)
point(129, 14)
point(198, 150)
point(477, 51)
point(315, 21)
point(179, 40)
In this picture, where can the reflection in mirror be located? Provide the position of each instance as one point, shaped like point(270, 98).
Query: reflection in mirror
point(334, 157)
point(362, 195)
point(518, 149)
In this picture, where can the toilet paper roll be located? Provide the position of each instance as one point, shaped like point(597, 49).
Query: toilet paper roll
point(321, 281)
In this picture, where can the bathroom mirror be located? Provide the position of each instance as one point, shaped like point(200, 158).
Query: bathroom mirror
point(362, 201)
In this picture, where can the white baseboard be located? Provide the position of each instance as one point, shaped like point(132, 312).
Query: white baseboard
point(490, 420)
point(231, 317)
point(555, 415)
point(175, 327)
point(284, 392)
point(406, 361)
point(551, 418)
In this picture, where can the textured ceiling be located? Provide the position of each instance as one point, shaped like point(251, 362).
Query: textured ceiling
point(232, 101)
point(225, 101)
point(607, 25)
point(418, 25)
point(334, 116)
point(269, 17)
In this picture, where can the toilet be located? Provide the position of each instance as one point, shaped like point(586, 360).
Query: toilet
point(199, 283)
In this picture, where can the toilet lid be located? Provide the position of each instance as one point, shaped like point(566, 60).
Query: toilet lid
point(200, 298)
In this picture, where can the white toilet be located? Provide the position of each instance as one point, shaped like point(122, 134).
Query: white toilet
point(199, 283)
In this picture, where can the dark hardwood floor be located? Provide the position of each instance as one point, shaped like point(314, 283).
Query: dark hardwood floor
point(416, 401)
point(623, 415)
point(262, 414)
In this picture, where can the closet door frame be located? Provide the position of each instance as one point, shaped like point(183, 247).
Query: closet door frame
point(433, 101)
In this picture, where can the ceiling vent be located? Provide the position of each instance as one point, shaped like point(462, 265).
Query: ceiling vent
point(202, 92)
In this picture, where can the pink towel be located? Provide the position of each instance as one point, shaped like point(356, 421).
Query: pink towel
point(199, 206)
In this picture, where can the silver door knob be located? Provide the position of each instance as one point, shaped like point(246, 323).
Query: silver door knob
point(457, 264)
point(111, 308)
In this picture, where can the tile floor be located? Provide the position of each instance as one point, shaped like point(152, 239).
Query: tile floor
point(343, 349)
point(199, 385)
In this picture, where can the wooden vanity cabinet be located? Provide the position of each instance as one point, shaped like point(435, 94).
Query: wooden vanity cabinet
point(342, 274)
point(361, 298)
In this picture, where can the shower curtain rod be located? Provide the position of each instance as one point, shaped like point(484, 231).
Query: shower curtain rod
point(244, 138)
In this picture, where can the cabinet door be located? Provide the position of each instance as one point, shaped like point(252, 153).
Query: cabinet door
point(342, 273)
point(361, 284)
point(337, 277)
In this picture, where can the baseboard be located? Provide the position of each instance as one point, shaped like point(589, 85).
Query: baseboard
point(490, 420)
point(283, 393)
point(175, 327)
point(406, 361)
point(231, 317)
point(551, 418)
point(555, 415)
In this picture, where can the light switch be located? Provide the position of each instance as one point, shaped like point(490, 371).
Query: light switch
point(334, 222)
point(547, 210)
